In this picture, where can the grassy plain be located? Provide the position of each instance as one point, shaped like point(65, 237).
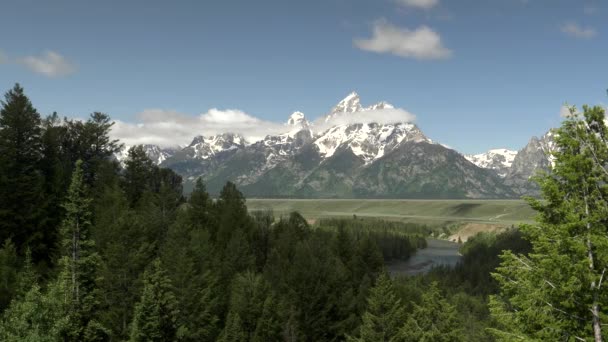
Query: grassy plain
point(432, 212)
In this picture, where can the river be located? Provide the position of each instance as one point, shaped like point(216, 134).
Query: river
point(437, 252)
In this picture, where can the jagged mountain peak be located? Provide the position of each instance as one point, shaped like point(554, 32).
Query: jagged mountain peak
point(350, 104)
point(297, 119)
point(380, 105)
point(223, 138)
point(156, 153)
point(205, 147)
point(498, 159)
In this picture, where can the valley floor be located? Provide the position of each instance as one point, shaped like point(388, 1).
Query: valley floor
point(481, 212)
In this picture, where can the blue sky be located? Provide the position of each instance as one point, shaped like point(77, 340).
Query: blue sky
point(477, 74)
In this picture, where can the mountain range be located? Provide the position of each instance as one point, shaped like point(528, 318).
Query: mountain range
point(337, 157)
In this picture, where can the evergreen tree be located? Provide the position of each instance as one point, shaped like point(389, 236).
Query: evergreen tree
point(90, 142)
point(56, 170)
point(156, 314)
point(433, 320)
point(126, 247)
point(234, 330)
point(384, 316)
point(555, 292)
point(79, 262)
point(186, 255)
point(249, 298)
point(21, 183)
point(232, 214)
point(201, 213)
point(138, 173)
point(8, 273)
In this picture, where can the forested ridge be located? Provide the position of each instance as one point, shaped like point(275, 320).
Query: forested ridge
point(98, 251)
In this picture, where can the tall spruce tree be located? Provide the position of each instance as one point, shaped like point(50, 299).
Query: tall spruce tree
point(556, 291)
point(8, 273)
point(21, 183)
point(79, 263)
point(156, 314)
point(433, 320)
point(384, 316)
point(138, 174)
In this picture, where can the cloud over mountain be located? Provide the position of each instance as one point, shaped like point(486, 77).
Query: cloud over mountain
point(168, 128)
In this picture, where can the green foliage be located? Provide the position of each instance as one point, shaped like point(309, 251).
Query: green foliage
point(554, 292)
point(384, 315)
point(79, 263)
point(38, 317)
point(396, 240)
point(22, 205)
point(156, 313)
point(434, 319)
point(8, 273)
point(252, 312)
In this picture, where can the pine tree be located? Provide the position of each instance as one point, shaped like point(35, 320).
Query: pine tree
point(21, 184)
point(232, 212)
point(234, 330)
point(247, 303)
point(556, 292)
point(8, 273)
point(433, 320)
point(155, 318)
point(79, 262)
point(384, 316)
point(138, 173)
point(56, 172)
point(201, 213)
point(186, 255)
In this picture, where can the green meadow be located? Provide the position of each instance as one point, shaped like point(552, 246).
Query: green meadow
point(500, 212)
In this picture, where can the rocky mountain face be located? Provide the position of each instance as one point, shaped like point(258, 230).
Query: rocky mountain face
point(340, 157)
point(517, 167)
point(499, 160)
point(535, 156)
point(154, 152)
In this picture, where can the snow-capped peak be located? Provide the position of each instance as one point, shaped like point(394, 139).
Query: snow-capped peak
point(205, 147)
point(350, 104)
point(156, 153)
point(380, 105)
point(499, 159)
point(297, 118)
point(297, 122)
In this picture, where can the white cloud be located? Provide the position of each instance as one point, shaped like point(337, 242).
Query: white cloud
point(576, 31)
point(379, 116)
point(170, 128)
point(424, 4)
point(421, 43)
point(3, 58)
point(50, 64)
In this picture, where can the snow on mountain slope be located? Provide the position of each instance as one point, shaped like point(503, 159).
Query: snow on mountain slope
point(499, 160)
point(369, 140)
point(154, 152)
point(206, 147)
point(279, 147)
